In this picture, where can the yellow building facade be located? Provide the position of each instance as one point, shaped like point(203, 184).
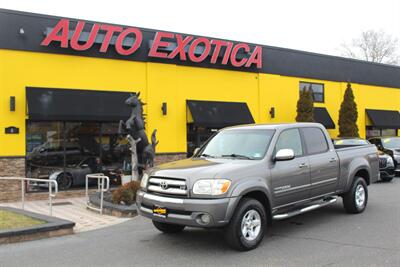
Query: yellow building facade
point(171, 84)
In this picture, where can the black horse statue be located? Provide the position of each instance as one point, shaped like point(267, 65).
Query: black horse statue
point(135, 127)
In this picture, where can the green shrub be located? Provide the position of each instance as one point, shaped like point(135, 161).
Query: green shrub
point(126, 193)
point(348, 115)
point(305, 106)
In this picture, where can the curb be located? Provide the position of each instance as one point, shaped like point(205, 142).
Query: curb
point(53, 227)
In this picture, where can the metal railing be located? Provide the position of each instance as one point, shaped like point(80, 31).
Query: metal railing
point(50, 183)
point(100, 188)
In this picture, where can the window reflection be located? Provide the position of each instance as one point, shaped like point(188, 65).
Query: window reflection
point(316, 88)
point(68, 151)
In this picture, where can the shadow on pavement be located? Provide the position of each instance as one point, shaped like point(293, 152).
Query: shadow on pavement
point(213, 239)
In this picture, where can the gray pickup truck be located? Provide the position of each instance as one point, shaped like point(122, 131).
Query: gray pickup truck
point(246, 176)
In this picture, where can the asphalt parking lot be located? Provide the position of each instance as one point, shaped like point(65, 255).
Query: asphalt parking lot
point(326, 237)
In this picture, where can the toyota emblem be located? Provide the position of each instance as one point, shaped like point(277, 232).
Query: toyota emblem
point(164, 185)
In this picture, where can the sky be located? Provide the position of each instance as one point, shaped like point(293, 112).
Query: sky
point(319, 26)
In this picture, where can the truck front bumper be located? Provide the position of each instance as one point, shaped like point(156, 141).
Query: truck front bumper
point(185, 211)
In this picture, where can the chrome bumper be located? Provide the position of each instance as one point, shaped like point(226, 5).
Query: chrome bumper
point(186, 211)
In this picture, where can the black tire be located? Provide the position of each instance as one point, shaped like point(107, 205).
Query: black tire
point(64, 181)
point(168, 228)
point(233, 232)
point(353, 203)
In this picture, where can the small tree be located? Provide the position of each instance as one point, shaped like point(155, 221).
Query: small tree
point(348, 115)
point(305, 106)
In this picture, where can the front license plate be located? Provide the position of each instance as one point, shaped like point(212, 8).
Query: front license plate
point(160, 211)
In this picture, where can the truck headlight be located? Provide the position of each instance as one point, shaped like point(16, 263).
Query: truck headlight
point(145, 179)
point(211, 187)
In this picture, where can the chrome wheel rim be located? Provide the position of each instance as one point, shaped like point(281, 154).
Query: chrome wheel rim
point(360, 196)
point(251, 225)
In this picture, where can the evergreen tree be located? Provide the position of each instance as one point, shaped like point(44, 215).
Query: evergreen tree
point(305, 106)
point(348, 115)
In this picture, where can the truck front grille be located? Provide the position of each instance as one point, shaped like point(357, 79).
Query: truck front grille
point(167, 186)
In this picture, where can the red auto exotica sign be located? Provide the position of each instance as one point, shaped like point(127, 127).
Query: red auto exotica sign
point(195, 49)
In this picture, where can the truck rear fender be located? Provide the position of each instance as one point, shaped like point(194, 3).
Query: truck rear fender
point(254, 188)
point(358, 168)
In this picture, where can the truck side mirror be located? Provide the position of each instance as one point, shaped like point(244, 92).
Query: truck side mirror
point(196, 150)
point(284, 154)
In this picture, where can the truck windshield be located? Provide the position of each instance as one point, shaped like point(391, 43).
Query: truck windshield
point(392, 142)
point(238, 144)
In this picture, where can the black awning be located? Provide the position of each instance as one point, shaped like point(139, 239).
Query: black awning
point(215, 114)
point(49, 104)
point(384, 118)
point(322, 116)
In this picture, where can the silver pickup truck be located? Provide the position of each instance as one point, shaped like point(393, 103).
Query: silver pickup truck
point(246, 176)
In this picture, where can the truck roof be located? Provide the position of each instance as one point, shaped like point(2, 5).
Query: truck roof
point(275, 126)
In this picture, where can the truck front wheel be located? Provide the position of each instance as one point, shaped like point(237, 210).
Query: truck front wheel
point(168, 228)
point(355, 201)
point(247, 226)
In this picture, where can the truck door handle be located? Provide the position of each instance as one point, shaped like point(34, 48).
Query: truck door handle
point(302, 165)
point(332, 160)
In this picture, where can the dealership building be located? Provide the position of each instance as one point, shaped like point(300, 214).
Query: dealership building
point(63, 83)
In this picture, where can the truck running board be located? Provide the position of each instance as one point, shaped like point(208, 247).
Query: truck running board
point(324, 203)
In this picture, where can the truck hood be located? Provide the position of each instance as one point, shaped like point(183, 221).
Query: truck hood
point(193, 169)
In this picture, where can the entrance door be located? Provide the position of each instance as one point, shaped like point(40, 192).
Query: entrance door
point(291, 178)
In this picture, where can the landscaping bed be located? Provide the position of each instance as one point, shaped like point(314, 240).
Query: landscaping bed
point(19, 225)
point(109, 208)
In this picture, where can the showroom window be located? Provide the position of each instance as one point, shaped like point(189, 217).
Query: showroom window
point(375, 132)
point(317, 89)
point(67, 151)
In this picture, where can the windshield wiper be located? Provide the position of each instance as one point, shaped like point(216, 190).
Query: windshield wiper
point(236, 156)
point(206, 156)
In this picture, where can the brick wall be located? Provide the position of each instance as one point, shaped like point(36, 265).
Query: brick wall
point(163, 158)
point(11, 190)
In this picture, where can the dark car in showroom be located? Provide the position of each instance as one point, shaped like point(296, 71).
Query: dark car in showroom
point(391, 146)
point(48, 154)
point(75, 174)
point(386, 163)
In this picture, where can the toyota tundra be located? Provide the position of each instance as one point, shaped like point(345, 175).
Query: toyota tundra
point(246, 176)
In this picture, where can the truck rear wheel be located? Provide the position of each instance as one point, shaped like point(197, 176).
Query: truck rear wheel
point(355, 201)
point(247, 227)
point(168, 228)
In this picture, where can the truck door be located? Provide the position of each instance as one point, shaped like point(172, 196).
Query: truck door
point(291, 178)
point(324, 162)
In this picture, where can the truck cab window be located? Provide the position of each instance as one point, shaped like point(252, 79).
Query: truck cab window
point(315, 140)
point(290, 139)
